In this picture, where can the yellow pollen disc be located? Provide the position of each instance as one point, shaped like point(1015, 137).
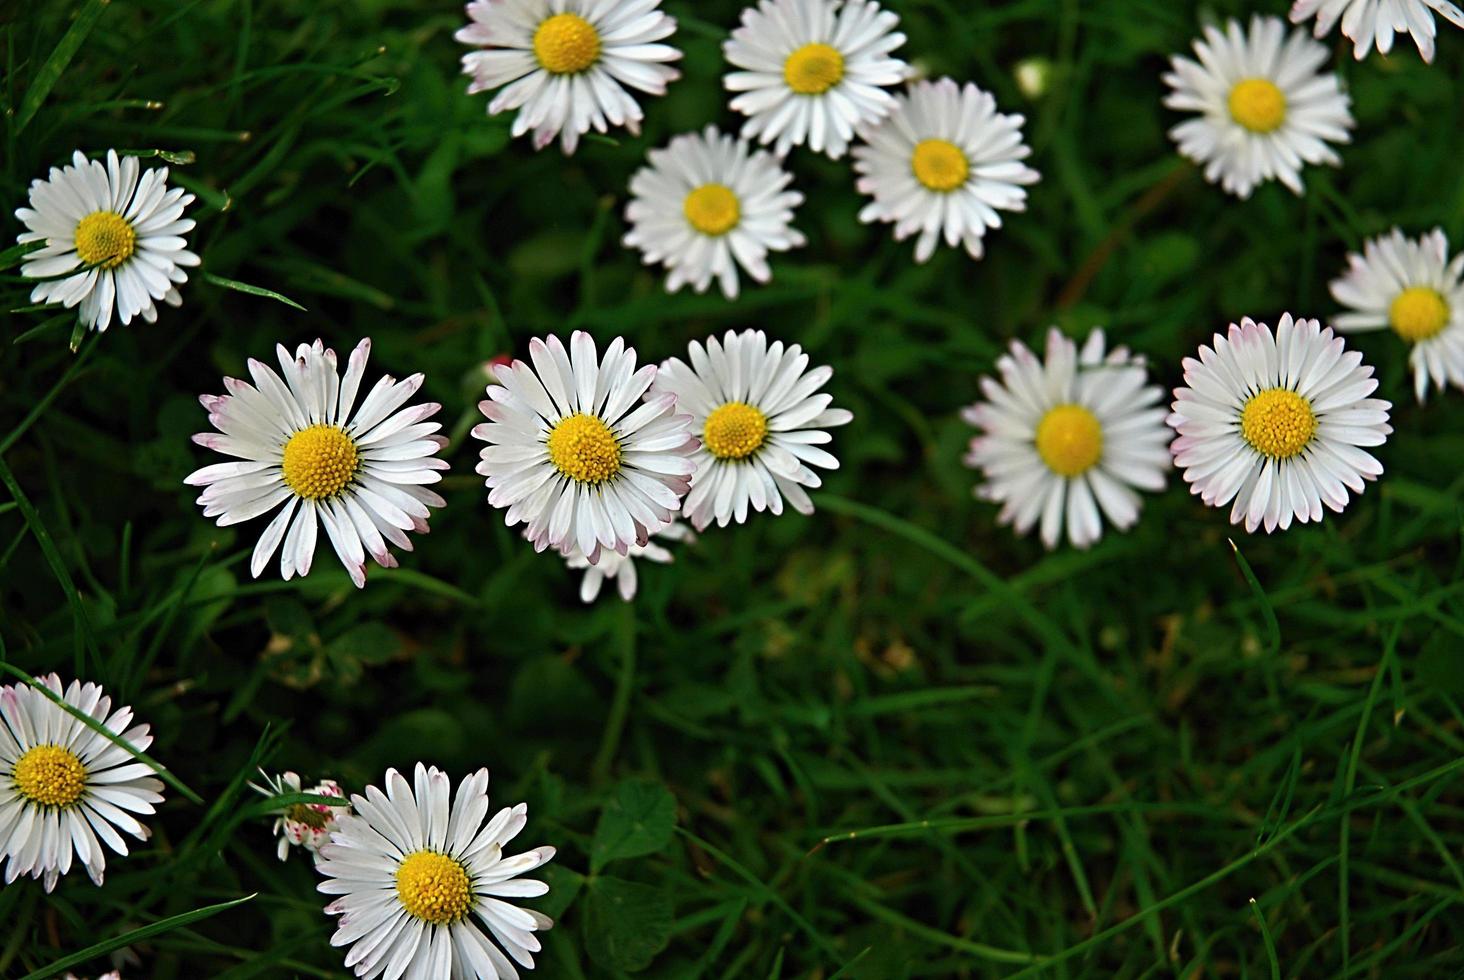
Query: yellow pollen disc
point(735, 431)
point(434, 887)
point(1418, 313)
point(813, 69)
point(105, 239)
point(1258, 105)
point(50, 775)
point(566, 44)
point(713, 209)
point(940, 165)
point(1069, 440)
point(584, 449)
point(320, 462)
point(1278, 423)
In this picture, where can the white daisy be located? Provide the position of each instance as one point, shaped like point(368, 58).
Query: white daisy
point(761, 418)
point(574, 453)
point(304, 825)
point(708, 203)
point(114, 240)
point(566, 64)
point(621, 568)
point(1265, 108)
point(942, 164)
point(114, 975)
point(1366, 20)
point(1275, 422)
point(414, 874)
point(1411, 286)
point(814, 71)
point(1066, 441)
point(65, 789)
point(360, 475)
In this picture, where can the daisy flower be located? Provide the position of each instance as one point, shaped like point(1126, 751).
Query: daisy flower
point(814, 71)
point(1366, 20)
point(566, 64)
point(1411, 286)
point(621, 568)
point(65, 789)
point(359, 475)
point(1068, 440)
point(419, 881)
point(304, 825)
point(942, 164)
point(114, 239)
point(114, 975)
point(708, 203)
point(761, 418)
point(1265, 107)
point(574, 453)
point(1276, 423)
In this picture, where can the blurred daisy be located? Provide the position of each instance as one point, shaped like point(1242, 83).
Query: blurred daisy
point(814, 71)
point(708, 203)
point(1411, 286)
point(304, 825)
point(1275, 422)
point(574, 453)
point(942, 164)
point(114, 240)
point(360, 475)
point(761, 419)
point(1366, 20)
point(114, 975)
point(1265, 108)
point(566, 64)
point(414, 874)
point(1067, 440)
point(621, 568)
point(65, 789)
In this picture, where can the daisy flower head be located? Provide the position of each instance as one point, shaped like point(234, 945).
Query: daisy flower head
point(1069, 439)
point(567, 65)
point(1277, 423)
point(114, 975)
point(1367, 21)
point(1410, 286)
point(66, 789)
point(761, 418)
point(1265, 107)
point(303, 825)
point(621, 568)
point(943, 164)
point(306, 448)
point(813, 71)
point(706, 204)
point(420, 880)
point(575, 454)
point(114, 239)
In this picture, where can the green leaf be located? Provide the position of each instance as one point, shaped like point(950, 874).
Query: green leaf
point(13, 255)
point(625, 923)
point(244, 287)
point(55, 65)
point(639, 819)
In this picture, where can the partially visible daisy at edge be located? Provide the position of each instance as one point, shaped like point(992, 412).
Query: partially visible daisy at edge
point(942, 166)
point(621, 568)
point(114, 975)
point(1367, 21)
point(707, 204)
point(303, 825)
point(1410, 286)
point(1068, 440)
point(114, 239)
point(566, 65)
point(1266, 107)
point(1279, 423)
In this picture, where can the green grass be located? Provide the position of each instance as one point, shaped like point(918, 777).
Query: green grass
point(897, 741)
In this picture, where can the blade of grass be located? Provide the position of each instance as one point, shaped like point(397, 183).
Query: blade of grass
point(52, 69)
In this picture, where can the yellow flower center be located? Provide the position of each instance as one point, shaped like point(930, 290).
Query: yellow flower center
point(307, 814)
point(434, 887)
point(1418, 313)
point(105, 239)
point(940, 165)
point(320, 462)
point(584, 449)
point(1258, 105)
point(50, 776)
point(1278, 423)
point(813, 69)
point(1069, 440)
point(566, 44)
point(713, 209)
point(735, 431)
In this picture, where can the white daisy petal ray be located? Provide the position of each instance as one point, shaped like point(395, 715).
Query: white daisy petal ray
point(1369, 22)
point(621, 568)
